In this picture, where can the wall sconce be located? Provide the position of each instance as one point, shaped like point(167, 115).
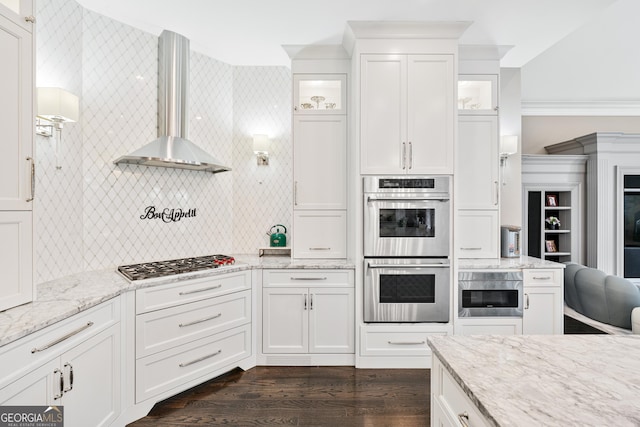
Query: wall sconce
point(508, 147)
point(55, 107)
point(261, 149)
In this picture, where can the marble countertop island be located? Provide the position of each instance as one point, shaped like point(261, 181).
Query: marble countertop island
point(550, 380)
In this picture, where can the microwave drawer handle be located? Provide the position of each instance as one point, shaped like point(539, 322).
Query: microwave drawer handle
point(407, 266)
point(412, 199)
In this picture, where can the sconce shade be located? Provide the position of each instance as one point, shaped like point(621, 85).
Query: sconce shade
point(57, 104)
point(508, 145)
point(260, 144)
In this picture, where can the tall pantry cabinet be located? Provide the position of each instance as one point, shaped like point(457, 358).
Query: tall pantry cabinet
point(477, 186)
point(17, 167)
point(320, 157)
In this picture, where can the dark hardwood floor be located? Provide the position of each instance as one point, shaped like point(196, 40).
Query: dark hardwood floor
point(301, 396)
point(308, 396)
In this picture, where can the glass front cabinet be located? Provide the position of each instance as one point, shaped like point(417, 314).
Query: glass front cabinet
point(319, 94)
point(478, 94)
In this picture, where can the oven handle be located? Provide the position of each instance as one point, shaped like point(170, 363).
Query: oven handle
point(407, 265)
point(422, 199)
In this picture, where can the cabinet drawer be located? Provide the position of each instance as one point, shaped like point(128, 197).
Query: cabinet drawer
point(173, 294)
point(166, 370)
point(386, 343)
point(456, 401)
point(320, 234)
point(51, 341)
point(538, 277)
point(307, 277)
point(162, 329)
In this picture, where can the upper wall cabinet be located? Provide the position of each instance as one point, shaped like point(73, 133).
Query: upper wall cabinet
point(407, 114)
point(19, 11)
point(478, 94)
point(319, 94)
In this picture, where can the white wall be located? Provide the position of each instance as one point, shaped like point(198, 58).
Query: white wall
point(88, 213)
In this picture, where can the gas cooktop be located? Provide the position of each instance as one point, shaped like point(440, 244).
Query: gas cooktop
point(149, 270)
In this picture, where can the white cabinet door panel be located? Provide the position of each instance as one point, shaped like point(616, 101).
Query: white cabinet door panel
point(320, 169)
point(332, 320)
point(285, 324)
point(477, 234)
point(319, 234)
point(16, 258)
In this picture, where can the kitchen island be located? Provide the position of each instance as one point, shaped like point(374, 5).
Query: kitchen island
point(555, 380)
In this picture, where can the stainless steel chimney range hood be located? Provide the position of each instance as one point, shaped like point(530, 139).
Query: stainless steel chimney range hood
point(172, 149)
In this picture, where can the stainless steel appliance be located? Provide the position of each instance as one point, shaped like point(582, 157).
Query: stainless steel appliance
point(406, 290)
point(510, 241)
point(149, 270)
point(406, 249)
point(406, 216)
point(490, 294)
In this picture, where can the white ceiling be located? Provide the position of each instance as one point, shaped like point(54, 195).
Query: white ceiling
point(252, 32)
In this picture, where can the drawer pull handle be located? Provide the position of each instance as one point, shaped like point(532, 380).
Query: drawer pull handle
point(319, 249)
point(470, 249)
point(308, 278)
point(195, 322)
point(59, 340)
point(542, 278)
point(407, 342)
point(200, 359)
point(464, 419)
point(200, 290)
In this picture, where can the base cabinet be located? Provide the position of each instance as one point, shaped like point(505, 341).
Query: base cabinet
point(450, 406)
point(302, 319)
point(543, 302)
point(84, 378)
point(190, 331)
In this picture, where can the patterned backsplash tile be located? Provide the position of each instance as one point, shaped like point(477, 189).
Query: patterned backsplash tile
point(90, 213)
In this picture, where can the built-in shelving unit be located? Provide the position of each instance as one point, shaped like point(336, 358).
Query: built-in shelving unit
point(553, 187)
point(544, 240)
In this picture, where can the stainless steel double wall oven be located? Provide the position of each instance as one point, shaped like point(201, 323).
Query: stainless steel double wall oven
point(406, 248)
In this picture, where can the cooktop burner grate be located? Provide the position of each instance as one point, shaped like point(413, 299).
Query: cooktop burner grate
point(149, 270)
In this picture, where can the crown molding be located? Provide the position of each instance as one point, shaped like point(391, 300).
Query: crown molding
point(581, 108)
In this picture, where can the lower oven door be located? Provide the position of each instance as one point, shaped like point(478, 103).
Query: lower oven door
point(406, 290)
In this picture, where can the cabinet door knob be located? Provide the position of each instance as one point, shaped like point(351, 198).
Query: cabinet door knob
point(30, 18)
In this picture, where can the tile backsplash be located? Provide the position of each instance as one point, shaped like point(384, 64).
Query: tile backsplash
point(89, 213)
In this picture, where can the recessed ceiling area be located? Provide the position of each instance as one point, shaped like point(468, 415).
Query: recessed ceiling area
point(252, 32)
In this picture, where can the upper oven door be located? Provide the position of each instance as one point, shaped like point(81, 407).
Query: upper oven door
point(406, 225)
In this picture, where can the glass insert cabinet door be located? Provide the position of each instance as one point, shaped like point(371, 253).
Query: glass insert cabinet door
point(319, 93)
point(631, 226)
point(478, 94)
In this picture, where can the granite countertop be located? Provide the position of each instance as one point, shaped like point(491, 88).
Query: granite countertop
point(507, 263)
point(550, 380)
point(59, 299)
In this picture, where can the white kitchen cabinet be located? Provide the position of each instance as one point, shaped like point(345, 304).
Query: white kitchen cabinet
point(300, 318)
point(75, 364)
point(478, 94)
point(190, 331)
point(20, 12)
point(407, 114)
point(478, 234)
point(543, 304)
point(320, 234)
point(17, 167)
point(477, 174)
point(16, 258)
point(319, 94)
point(489, 326)
point(450, 405)
point(320, 164)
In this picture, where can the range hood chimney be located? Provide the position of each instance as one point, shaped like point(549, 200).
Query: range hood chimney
point(172, 149)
